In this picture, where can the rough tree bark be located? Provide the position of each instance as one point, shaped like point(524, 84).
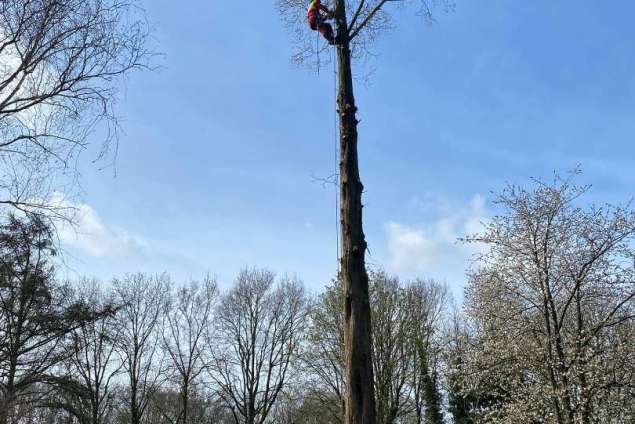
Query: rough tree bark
point(360, 396)
point(358, 23)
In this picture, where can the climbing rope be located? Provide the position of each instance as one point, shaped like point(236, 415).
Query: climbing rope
point(336, 171)
point(317, 51)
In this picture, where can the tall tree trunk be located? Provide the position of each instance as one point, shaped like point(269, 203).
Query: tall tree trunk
point(185, 397)
point(360, 397)
point(8, 398)
point(4, 410)
point(135, 413)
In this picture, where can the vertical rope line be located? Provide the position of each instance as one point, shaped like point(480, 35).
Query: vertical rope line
point(336, 166)
point(336, 173)
point(317, 50)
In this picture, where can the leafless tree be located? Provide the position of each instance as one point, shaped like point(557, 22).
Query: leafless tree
point(427, 303)
point(552, 303)
point(323, 352)
point(142, 299)
point(93, 362)
point(367, 20)
point(260, 325)
point(61, 62)
point(187, 319)
point(392, 353)
point(358, 23)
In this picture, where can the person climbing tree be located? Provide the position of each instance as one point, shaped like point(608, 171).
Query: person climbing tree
point(358, 23)
point(317, 15)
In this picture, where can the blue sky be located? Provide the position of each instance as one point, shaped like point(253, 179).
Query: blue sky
point(215, 167)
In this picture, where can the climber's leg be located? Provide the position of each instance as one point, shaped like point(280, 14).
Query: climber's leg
point(327, 32)
point(314, 22)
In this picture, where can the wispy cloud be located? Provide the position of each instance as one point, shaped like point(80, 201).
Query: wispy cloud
point(98, 248)
point(92, 236)
point(431, 247)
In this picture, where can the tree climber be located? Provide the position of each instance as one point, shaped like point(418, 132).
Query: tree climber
point(317, 15)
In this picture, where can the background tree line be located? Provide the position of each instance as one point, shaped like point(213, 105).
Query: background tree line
point(545, 334)
point(145, 349)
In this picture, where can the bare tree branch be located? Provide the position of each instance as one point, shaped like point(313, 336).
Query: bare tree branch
point(61, 63)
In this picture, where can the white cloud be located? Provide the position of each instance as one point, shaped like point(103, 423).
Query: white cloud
point(431, 247)
point(93, 237)
point(95, 247)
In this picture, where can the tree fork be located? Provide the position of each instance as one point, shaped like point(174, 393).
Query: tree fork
point(360, 395)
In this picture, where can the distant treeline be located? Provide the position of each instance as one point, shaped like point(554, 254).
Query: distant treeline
point(545, 334)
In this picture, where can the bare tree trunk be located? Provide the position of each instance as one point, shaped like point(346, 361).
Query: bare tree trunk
point(185, 397)
point(135, 415)
point(6, 406)
point(360, 397)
